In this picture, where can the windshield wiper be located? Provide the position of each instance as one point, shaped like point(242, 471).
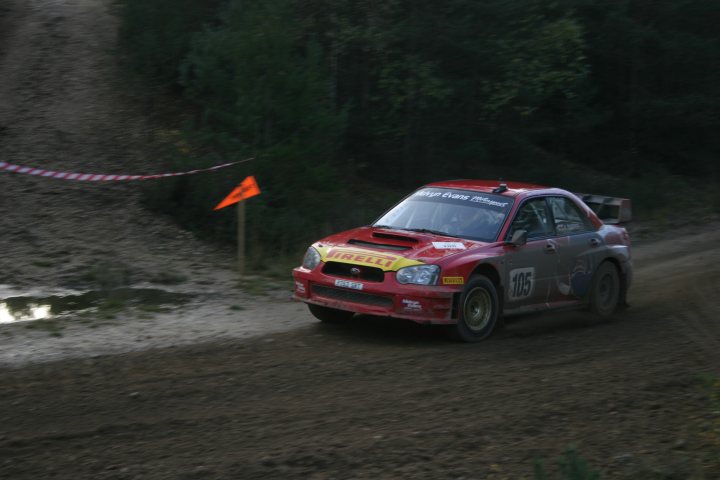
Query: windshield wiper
point(427, 230)
point(418, 230)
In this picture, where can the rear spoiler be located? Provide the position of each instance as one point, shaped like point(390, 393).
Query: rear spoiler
point(611, 210)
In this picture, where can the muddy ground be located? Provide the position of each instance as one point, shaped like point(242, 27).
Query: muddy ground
point(262, 391)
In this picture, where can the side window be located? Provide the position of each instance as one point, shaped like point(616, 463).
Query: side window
point(568, 217)
point(532, 217)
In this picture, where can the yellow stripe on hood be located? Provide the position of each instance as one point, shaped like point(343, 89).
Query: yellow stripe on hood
point(369, 258)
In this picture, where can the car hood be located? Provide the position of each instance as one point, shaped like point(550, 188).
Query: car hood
point(391, 249)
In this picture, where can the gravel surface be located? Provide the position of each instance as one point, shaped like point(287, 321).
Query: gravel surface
point(225, 383)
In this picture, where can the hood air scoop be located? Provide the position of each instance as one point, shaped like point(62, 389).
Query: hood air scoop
point(393, 236)
point(384, 246)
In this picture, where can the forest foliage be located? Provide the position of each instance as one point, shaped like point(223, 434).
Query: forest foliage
point(348, 104)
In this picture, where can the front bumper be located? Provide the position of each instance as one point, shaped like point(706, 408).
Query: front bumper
point(419, 303)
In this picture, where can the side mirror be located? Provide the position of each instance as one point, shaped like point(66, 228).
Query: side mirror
point(519, 238)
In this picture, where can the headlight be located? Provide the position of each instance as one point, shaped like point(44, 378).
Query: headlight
point(419, 274)
point(312, 258)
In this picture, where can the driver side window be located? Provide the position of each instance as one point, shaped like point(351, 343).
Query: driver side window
point(568, 217)
point(532, 217)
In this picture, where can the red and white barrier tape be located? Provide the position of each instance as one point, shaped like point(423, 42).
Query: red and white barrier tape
point(98, 177)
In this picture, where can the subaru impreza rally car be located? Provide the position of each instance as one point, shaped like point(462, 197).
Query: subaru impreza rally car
point(467, 252)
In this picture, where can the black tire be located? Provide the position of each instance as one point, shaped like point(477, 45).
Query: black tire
point(478, 311)
point(605, 292)
point(329, 315)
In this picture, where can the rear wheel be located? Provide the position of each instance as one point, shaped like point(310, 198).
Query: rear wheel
point(605, 292)
point(478, 314)
point(329, 315)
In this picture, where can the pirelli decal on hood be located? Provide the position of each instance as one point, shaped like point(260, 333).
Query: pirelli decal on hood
point(369, 258)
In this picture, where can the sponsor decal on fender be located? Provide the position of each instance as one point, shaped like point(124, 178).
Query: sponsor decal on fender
point(358, 256)
point(453, 280)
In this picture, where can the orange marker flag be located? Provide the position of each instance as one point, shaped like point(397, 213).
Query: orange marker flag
point(248, 188)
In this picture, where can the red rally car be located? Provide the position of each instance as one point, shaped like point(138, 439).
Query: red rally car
point(467, 252)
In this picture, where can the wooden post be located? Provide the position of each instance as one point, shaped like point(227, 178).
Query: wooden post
point(241, 237)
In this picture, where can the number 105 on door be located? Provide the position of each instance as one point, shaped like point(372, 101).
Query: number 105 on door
point(522, 281)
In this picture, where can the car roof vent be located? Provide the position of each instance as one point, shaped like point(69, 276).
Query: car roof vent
point(501, 188)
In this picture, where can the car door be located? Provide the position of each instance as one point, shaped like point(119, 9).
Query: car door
point(578, 248)
point(530, 268)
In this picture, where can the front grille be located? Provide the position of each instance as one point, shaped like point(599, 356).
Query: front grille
point(352, 296)
point(370, 274)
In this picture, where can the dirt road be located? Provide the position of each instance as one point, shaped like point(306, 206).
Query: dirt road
point(382, 399)
point(371, 399)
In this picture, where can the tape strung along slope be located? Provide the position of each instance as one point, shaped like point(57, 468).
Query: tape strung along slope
point(98, 177)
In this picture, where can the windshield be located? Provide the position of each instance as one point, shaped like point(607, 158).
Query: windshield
point(445, 211)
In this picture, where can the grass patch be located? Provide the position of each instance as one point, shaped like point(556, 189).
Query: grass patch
point(254, 286)
point(153, 308)
point(264, 285)
point(168, 278)
point(710, 431)
point(108, 308)
point(280, 267)
point(43, 263)
point(64, 254)
point(107, 276)
point(570, 467)
point(112, 305)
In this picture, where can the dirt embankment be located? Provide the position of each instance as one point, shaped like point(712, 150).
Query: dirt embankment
point(64, 105)
point(371, 399)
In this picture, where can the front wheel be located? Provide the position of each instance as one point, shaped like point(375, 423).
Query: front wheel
point(605, 291)
point(329, 315)
point(478, 314)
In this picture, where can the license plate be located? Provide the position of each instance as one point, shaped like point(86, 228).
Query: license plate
point(349, 284)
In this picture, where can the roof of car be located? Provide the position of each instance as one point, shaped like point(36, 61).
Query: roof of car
point(487, 186)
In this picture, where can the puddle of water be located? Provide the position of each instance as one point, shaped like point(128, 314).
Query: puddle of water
point(30, 312)
point(23, 308)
